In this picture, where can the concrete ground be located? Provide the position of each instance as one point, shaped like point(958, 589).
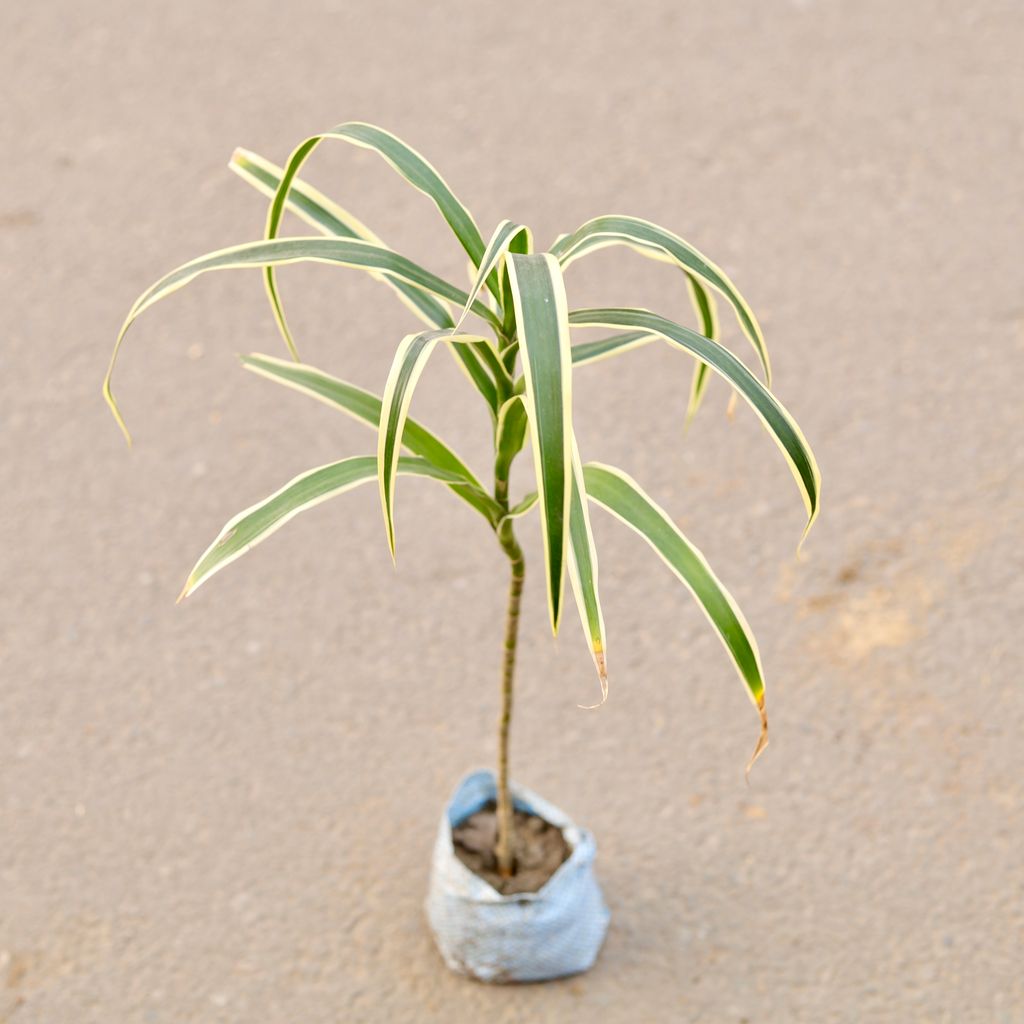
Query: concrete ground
point(223, 811)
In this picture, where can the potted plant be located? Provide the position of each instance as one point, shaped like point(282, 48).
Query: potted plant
point(513, 896)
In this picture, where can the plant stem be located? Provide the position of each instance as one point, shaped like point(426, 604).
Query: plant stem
point(507, 539)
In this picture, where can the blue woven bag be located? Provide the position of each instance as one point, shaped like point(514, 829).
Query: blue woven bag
point(522, 937)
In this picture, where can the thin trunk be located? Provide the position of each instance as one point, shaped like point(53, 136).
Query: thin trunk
point(504, 848)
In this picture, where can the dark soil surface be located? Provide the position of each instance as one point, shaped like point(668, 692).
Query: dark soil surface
point(538, 849)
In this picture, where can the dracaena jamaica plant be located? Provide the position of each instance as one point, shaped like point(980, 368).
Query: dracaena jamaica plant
point(521, 363)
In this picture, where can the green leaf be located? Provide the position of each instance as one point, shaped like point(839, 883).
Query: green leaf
point(782, 427)
point(522, 244)
point(349, 252)
point(509, 434)
point(511, 351)
point(506, 234)
point(704, 305)
point(521, 507)
point(471, 366)
point(319, 212)
point(409, 164)
point(487, 355)
point(366, 407)
point(255, 524)
point(583, 573)
point(409, 362)
point(625, 499)
point(657, 243)
point(540, 307)
point(615, 344)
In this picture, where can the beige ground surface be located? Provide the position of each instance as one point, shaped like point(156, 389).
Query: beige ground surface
point(222, 812)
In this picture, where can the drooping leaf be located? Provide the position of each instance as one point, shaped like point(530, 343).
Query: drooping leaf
point(408, 163)
point(704, 305)
point(255, 524)
point(539, 298)
point(782, 427)
point(626, 500)
point(349, 252)
point(657, 243)
point(583, 573)
point(319, 212)
point(588, 352)
point(366, 407)
point(410, 359)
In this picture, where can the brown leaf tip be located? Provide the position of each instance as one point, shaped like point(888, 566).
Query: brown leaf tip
point(762, 739)
point(602, 675)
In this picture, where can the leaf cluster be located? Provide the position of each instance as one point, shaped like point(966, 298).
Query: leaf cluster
point(521, 364)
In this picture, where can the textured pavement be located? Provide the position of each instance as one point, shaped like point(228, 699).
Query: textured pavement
point(223, 811)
